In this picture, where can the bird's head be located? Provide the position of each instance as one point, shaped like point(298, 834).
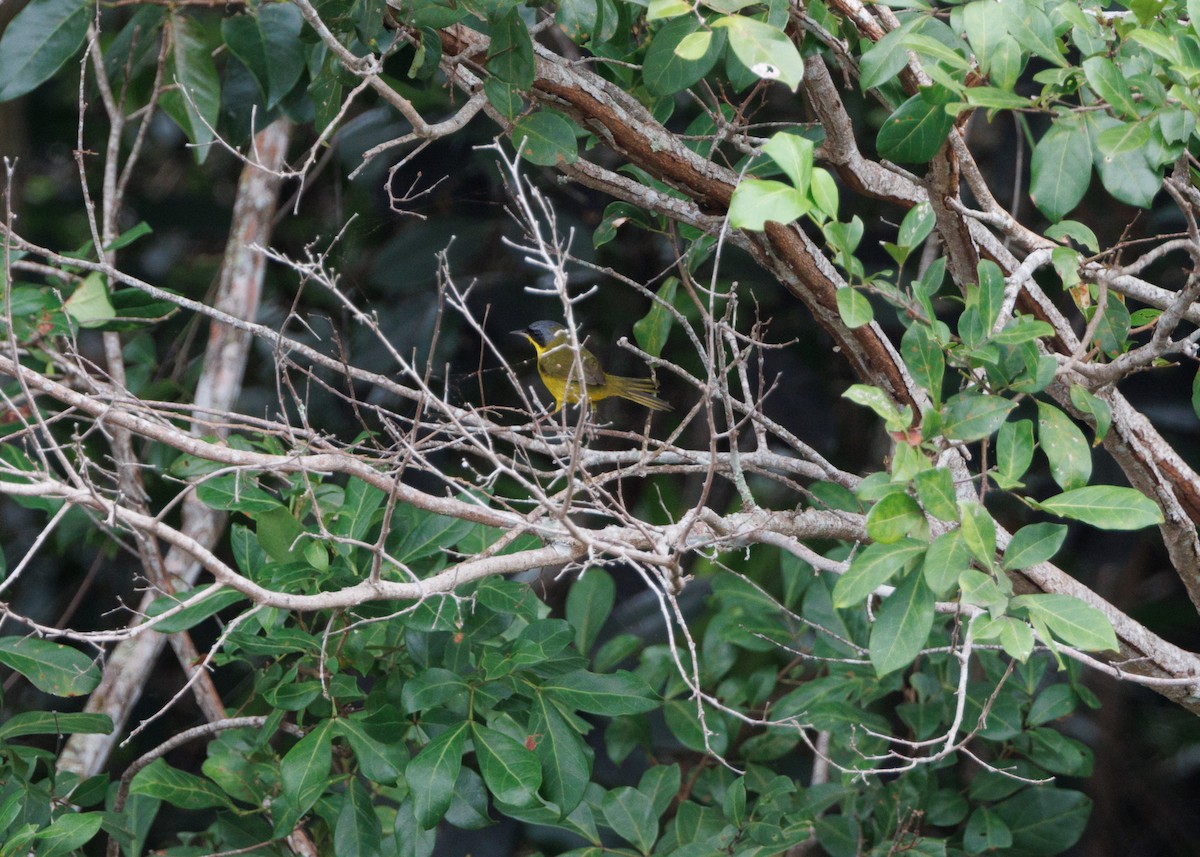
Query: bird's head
point(542, 334)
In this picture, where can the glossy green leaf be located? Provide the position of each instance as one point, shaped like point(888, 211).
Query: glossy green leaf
point(631, 817)
point(1126, 174)
point(794, 155)
point(55, 723)
point(1033, 30)
point(985, 831)
point(884, 59)
point(1014, 452)
point(510, 52)
point(304, 770)
point(565, 759)
point(546, 138)
point(1070, 620)
point(219, 599)
point(924, 359)
point(510, 769)
point(589, 604)
point(38, 41)
point(894, 517)
point(970, 415)
point(68, 832)
point(1110, 84)
point(764, 49)
point(619, 693)
point(176, 787)
point(902, 625)
point(236, 492)
point(979, 532)
point(1106, 507)
point(1065, 447)
point(357, 832)
point(872, 567)
point(854, 308)
point(948, 556)
point(756, 201)
point(652, 330)
point(433, 773)
point(1033, 544)
point(918, 128)
point(1045, 819)
point(935, 490)
point(268, 45)
point(89, 304)
point(1079, 232)
point(664, 71)
point(1060, 170)
point(51, 667)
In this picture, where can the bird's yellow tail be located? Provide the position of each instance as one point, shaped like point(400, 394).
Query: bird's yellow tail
point(640, 390)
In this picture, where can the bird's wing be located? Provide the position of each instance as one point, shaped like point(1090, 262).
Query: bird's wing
point(593, 372)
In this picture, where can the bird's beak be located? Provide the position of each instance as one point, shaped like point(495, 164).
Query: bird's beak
point(517, 333)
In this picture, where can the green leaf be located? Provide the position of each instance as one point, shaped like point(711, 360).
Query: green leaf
point(1060, 170)
point(1045, 819)
point(546, 138)
point(1109, 83)
point(1123, 137)
point(854, 307)
point(1070, 620)
point(178, 788)
point(935, 489)
point(694, 45)
point(68, 832)
point(1196, 394)
point(1065, 447)
point(631, 817)
point(894, 517)
point(764, 49)
point(1033, 544)
point(51, 667)
point(1054, 703)
point(510, 53)
point(589, 604)
point(902, 625)
point(565, 760)
point(1014, 452)
point(217, 600)
point(918, 128)
point(923, 356)
point(824, 192)
point(268, 44)
point(883, 60)
point(304, 770)
point(881, 403)
point(916, 225)
point(431, 688)
point(38, 41)
point(357, 832)
point(979, 532)
point(192, 70)
point(970, 415)
point(236, 492)
point(1033, 30)
point(652, 330)
point(985, 832)
point(54, 723)
point(379, 762)
point(794, 155)
point(664, 71)
point(874, 566)
point(1079, 232)
point(511, 770)
point(89, 304)
point(659, 9)
point(1106, 507)
point(432, 774)
point(1015, 636)
point(948, 556)
point(755, 201)
point(612, 695)
point(1127, 175)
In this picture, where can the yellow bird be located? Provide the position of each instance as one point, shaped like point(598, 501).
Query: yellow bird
point(560, 371)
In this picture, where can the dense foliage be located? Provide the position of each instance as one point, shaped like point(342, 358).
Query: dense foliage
point(273, 413)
